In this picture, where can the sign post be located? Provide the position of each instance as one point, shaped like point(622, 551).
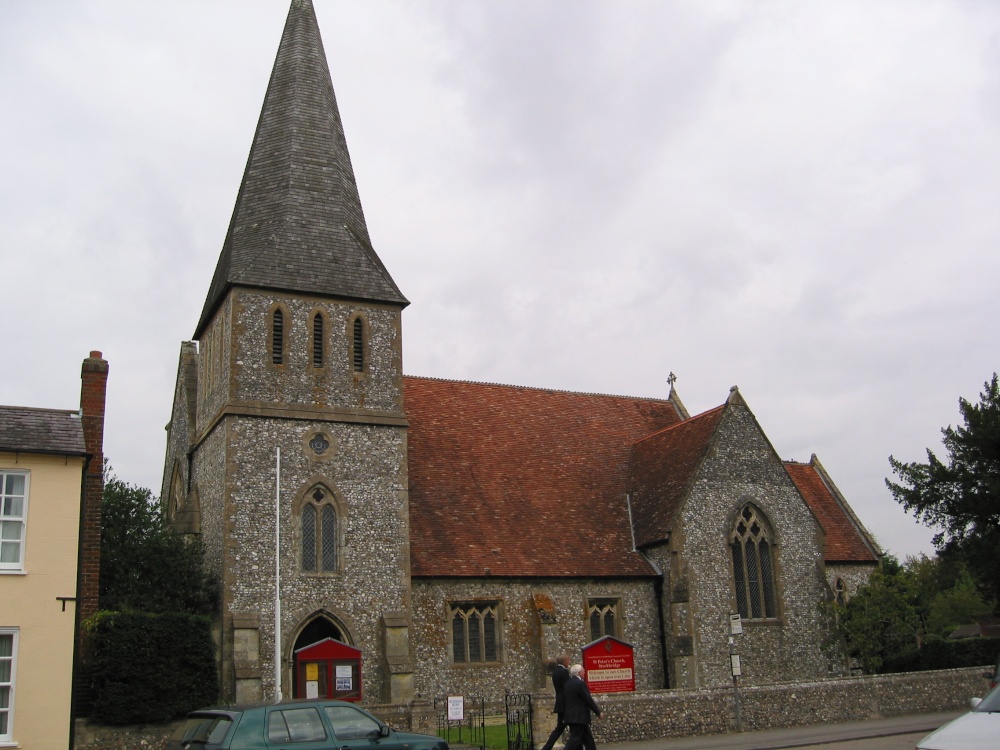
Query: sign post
point(735, 628)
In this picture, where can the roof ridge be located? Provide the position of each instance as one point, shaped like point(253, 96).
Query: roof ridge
point(682, 423)
point(537, 388)
point(70, 412)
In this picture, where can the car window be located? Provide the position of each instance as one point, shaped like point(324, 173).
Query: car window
point(295, 725)
point(349, 723)
point(203, 729)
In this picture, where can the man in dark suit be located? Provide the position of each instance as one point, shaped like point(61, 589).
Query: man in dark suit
point(560, 674)
point(579, 706)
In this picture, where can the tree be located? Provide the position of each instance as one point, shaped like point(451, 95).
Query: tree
point(145, 566)
point(879, 623)
point(961, 497)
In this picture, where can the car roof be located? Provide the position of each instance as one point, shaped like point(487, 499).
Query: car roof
point(238, 708)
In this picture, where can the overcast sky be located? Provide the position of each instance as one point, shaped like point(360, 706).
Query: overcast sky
point(798, 198)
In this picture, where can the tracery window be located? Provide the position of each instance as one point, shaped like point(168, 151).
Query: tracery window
point(319, 532)
point(840, 592)
point(603, 616)
point(475, 632)
point(753, 565)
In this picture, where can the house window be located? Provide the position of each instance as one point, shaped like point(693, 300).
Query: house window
point(277, 337)
point(319, 533)
point(358, 346)
point(475, 632)
point(13, 513)
point(8, 671)
point(603, 617)
point(317, 340)
point(753, 567)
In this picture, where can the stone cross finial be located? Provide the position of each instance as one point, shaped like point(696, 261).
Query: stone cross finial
point(671, 379)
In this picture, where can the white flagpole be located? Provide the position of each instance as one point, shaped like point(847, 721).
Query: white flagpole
point(277, 576)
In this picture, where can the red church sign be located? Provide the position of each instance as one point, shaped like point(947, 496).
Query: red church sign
point(609, 665)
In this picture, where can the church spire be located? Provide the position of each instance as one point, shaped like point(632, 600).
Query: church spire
point(298, 225)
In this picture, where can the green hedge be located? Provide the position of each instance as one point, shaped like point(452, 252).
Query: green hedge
point(150, 668)
point(940, 653)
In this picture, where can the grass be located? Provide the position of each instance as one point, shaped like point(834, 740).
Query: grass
point(495, 735)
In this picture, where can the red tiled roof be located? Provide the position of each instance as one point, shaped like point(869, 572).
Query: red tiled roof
point(512, 481)
point(845, 539)
point(661, 469)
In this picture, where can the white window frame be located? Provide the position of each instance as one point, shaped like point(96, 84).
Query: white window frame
point(7, 738)
point(18, 565)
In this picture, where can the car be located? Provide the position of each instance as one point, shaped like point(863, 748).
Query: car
point(303, 725)
point(994, 676)
point(977, 730)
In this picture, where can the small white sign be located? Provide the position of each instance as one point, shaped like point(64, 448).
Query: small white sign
point(734, 660)
point(344, 670)
point(312, 689)
point(735, 624)
point(456, 708)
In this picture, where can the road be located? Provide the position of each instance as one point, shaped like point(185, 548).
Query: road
point(896, 733)
point(894, 742)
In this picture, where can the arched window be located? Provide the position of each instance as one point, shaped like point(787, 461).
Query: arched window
point(278, 338)
point(753, 566)
point(319, 533)
point(317, 340)
point(840, 592)
point(358, 348)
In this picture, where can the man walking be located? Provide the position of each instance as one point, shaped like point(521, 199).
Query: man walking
point(579, 706)
point(560, 674)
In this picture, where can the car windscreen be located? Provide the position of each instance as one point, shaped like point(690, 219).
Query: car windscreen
point(205, 729)
point(991, 702)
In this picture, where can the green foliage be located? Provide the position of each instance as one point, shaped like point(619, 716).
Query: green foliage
point(962, 496)
point(879, 624)
point(941, 653)
point(145, 566)
point(958, 605)
point(150, 668)
point(899, 621)
point(150, 651)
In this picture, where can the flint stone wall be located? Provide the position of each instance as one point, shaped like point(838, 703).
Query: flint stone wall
point(653, 714)
point(681, 713)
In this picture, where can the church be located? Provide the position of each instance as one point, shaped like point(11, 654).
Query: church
point(384, 537)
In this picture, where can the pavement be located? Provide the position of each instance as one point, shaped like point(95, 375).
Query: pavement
point(813, 734)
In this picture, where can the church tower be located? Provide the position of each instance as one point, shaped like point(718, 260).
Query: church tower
point(298, 363)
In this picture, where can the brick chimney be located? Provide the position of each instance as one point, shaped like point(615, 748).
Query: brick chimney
point(93, 392)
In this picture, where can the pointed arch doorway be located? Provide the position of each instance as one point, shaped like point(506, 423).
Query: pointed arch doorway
point(325, 664)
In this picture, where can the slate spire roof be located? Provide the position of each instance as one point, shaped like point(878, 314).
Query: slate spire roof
point(298, 225)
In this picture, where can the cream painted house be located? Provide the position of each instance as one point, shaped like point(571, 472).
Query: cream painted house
point(45, 462)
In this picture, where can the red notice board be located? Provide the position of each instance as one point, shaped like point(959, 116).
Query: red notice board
point(609, 665)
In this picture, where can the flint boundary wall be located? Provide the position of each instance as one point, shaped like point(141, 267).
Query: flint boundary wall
point(652, 714)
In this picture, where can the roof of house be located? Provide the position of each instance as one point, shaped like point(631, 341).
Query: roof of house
point(846, 539)
point(513, 481)
point(658, 486)
point(27, 430)
point(298, 225)
point(528, 482)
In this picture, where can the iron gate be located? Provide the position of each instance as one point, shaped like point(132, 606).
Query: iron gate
point(470, 731)
point(519, 736)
